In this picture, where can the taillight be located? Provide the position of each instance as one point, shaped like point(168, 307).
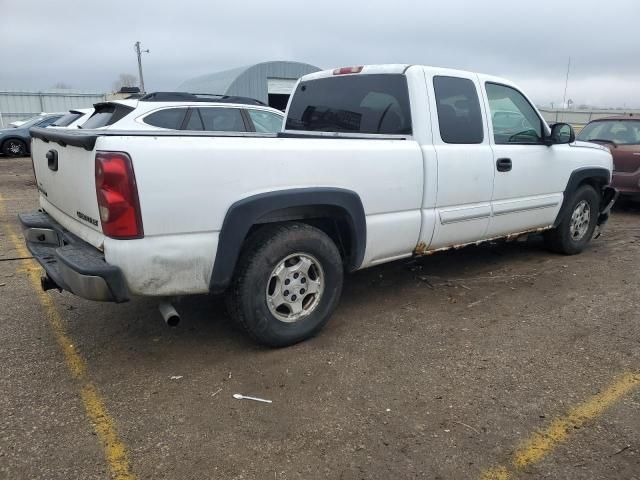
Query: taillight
point(347, 70)
point(118, 196)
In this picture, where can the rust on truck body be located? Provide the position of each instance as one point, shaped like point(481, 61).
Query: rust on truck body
point(421, 249)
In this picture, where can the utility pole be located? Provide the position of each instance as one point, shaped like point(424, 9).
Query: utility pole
point(139, 53)
point(566, 82)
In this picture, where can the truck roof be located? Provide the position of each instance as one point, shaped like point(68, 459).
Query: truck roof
point(398, 68)
point(369, 69)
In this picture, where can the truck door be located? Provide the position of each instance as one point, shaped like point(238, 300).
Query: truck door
point(464, 159)
point(529, 175)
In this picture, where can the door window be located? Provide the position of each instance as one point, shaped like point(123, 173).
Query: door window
point(514, 119)
point(459, 114)
point(218, 119)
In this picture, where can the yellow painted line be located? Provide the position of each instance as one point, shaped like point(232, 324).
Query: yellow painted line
point(541, 443)
point(115, 451)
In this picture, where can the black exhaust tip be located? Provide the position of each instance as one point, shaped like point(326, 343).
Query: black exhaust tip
point(173, 320)
point(47, 283)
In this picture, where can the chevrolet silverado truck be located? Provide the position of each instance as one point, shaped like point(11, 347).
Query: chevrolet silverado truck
point(374, 164)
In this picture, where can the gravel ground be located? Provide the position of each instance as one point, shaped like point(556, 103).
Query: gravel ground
point(437, 368)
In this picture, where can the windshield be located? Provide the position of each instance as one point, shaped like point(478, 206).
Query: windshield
point(619, 132)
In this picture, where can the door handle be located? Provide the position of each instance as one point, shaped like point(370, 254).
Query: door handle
point(504, 164)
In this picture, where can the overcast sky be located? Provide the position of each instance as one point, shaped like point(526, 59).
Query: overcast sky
point(87, 44)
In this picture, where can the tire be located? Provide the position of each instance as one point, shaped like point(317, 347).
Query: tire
point(14, 148)
point(574, 232)
point(280, 264)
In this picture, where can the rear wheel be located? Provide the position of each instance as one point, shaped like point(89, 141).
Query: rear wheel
point(14, 148)
point(287, 283)
point(575, 230)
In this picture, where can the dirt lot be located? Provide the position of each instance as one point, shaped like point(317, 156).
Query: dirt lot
point(440, 368)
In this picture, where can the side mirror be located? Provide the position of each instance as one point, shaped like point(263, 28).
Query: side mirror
point(561, 133)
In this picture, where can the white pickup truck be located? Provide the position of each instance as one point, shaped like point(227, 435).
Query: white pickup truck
point(375, 164)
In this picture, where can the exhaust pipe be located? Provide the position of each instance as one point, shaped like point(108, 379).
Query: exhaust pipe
point(169, 314)
point(47, 283)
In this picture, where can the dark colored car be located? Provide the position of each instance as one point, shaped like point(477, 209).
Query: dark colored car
point(15, 141)
point(622, 136)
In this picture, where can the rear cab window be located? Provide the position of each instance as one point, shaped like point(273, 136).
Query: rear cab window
point(368, 104)
point(107, 114)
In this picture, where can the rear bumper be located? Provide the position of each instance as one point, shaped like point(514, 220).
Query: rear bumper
point(71, 263)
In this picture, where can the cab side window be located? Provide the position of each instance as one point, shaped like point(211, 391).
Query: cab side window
point(514, 119)
point(459, 114)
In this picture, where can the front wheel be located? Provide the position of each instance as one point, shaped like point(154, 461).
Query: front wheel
point(14, 148)
point(287, 283)
point(575, 230)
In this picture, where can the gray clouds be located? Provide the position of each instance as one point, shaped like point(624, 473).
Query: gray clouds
point(87, 44)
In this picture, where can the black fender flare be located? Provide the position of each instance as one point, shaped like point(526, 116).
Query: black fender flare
point(245, 213)
point(600, 175)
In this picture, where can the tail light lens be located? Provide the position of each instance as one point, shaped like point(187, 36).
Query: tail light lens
point(117, 194)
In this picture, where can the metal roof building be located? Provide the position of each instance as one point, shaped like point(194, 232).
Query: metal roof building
point(20, 105)
point(269, 82)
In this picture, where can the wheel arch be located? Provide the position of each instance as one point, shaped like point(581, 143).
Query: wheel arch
point(338, 212)
point(596, 177)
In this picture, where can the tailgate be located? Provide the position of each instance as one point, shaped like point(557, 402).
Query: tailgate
point(65, 176)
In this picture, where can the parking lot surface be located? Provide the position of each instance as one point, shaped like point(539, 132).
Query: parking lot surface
point(498, 361)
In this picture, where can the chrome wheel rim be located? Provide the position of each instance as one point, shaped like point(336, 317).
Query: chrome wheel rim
point(295, 287)
point(580, 220)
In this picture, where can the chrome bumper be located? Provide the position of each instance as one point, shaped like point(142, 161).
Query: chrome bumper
point(70, 263)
